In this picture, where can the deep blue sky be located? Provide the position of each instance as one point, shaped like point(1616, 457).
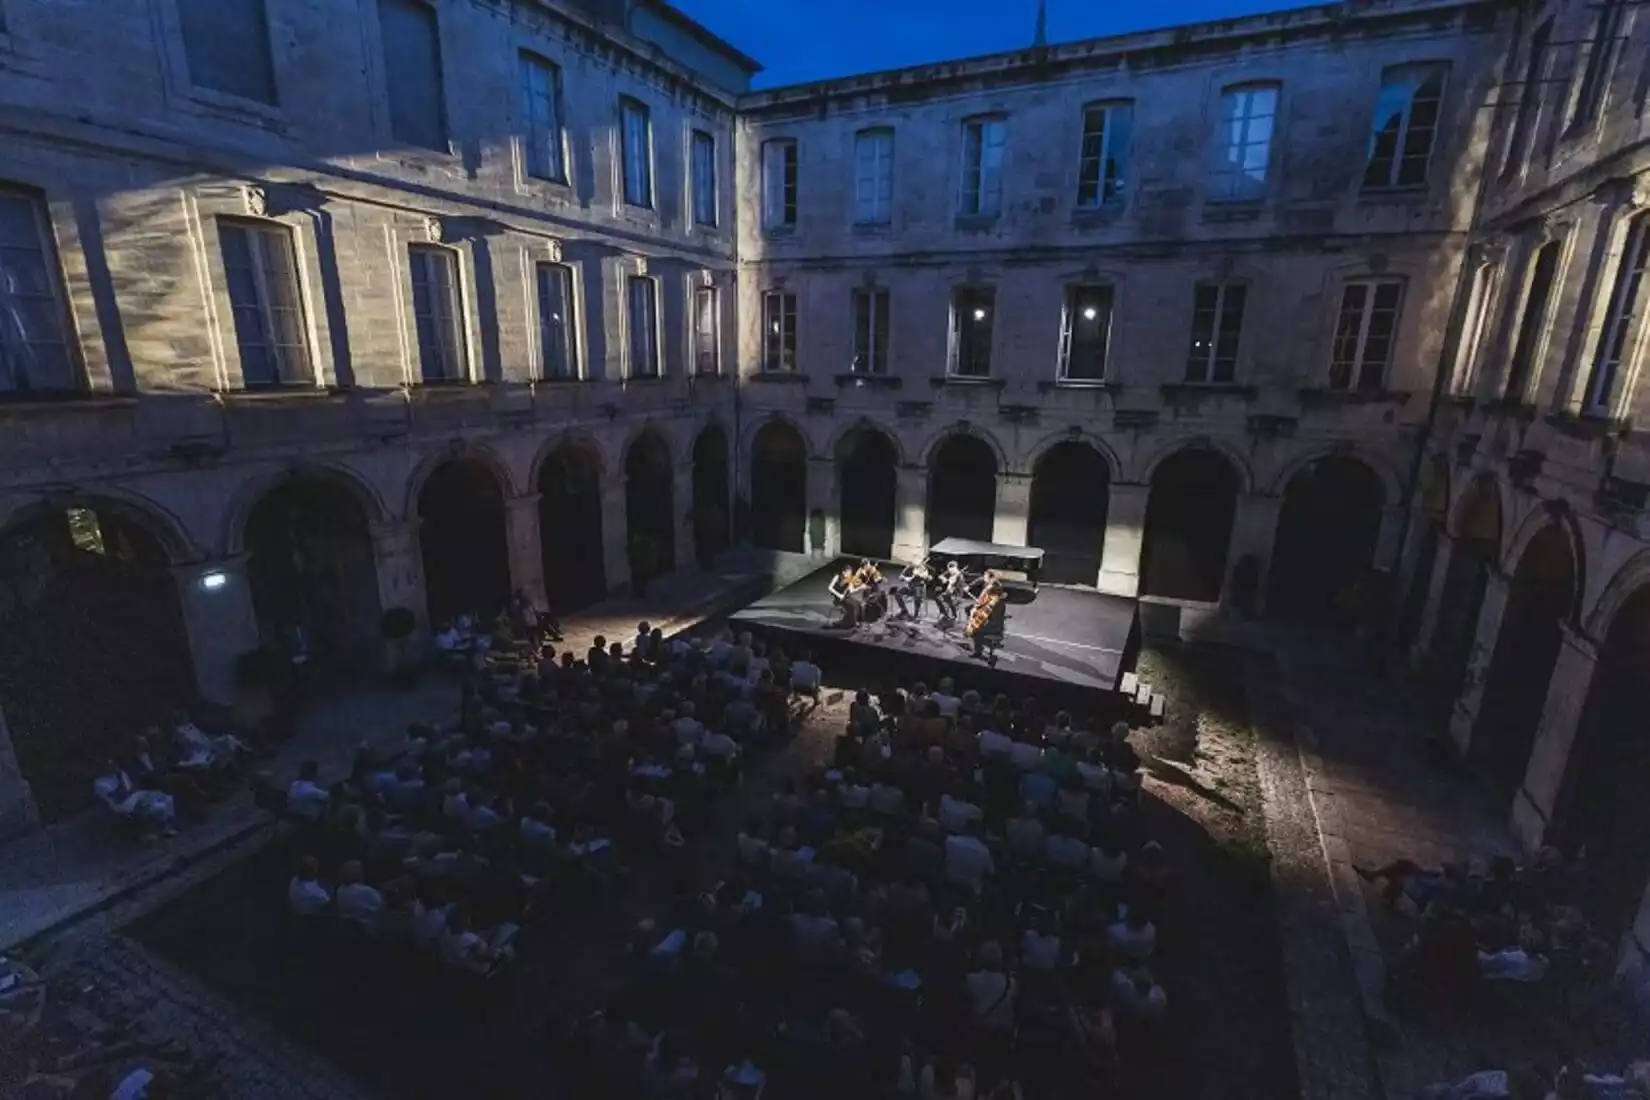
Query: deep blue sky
point(799, 40)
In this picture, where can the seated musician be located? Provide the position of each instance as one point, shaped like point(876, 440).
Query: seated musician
point(847, 591)
point(952, 586)
point(985, 622)
point(913, 585)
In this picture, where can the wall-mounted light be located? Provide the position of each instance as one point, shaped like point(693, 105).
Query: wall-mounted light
point(214, 580)
point(1090, 313)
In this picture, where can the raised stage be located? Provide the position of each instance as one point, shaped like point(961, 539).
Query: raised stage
point(1076, 638)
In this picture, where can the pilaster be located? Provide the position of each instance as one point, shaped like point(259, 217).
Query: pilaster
point(1254, 531)
point(219, 619)
point(1572, 679)
point(1435, 593)
point(1008, 527)
point(615, 532)
point(400, 565)
point(1465, 714)
point(910, 512)
point(1125, 536)
point(521, 526)
point(823, 495)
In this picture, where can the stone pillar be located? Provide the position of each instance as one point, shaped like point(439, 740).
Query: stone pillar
point(615, 533)
point(681, 498)
point(1555, 736)
point(217, 614)
point(18, 813)
point(399, 561)
point(1465, 715)
point(1125, 535)
point(1254, 530)
point(1386, 539)
point(1435, 594)
point(910, 512)
point(822, 494)
point(1013, 514)
point(521, 529)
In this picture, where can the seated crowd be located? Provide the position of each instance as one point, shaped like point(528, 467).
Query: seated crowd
point(149, 786)
point(963, 904)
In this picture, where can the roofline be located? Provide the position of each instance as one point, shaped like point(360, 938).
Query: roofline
point(705, 35)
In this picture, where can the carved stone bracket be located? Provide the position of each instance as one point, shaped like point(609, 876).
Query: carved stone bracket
point(434, 231)
point(256, 200)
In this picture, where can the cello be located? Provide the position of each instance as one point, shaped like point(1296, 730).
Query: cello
point(985, 605)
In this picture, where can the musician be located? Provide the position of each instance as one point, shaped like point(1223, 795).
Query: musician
point(913, 583)
point(952, 588)
point(849, 594)
point(986, 619)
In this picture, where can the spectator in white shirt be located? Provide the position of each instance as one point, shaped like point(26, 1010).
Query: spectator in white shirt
point(956, 814)
point(967, 859)
point(1040, 948)
point(1133, 938)
point(1026, 755)
point(805, 675)
point(306, 799)
point(1137, 996)
point(455, 803)
point(358, 903)
point(1026, 833)
point(753, 845)
point(853, 795)
point(721, 650)
point(1064, 851)
point(1096, 777)
point(305, 896)
point(483, 816)
point(687, 728)
point(153, 810)
point(887, 799)
point(537, 832)
point(1073, 800)
point(945, 699)
point(994, 744)
point(990, 991)
point(1108, 861)
point(718, 744)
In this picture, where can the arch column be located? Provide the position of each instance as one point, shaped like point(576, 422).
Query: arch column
point(1560, 716)
point(400, 562)
point(1013, 514)
point(1254, 531)
point(1384, 559)
point(1464, 716)
point(1125, 536)
point(1445, 553)
point(910, 512)
point(615, 532)
point(681, 498)
point(18, 813)
point(521, 528)
point(824, 495)
point(219, 620)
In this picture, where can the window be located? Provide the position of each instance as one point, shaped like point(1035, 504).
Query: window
point(1085, 332)
point(541, 114)
point(1217, 326)
point(778, 331)
point(1406, 119)
point(35, 353)
point(557, 330)
point(873, 176)
point(437, 309)
point(971, 317)
point(707, 331)
point(412, 72)
point(1364, 333)
point(704, 178)
point(1601, 56)
point(1529, 99)
point(643, 294)
point(1620, 319)
point(982, 176)
point(778, 184)
point(1243, 142)
point(636, 134)
point(226, 46)
point(870, 330)
point(1532, 325)
point(1472, 328)
point(262, 274)
point(1103, 161)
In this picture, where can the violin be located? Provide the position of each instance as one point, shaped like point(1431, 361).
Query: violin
point(868, 574)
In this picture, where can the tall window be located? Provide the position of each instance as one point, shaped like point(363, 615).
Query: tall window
point(1217, 327)
point(1364, 334)
point(636, 135)
point(1601, 57)
point(643, 315)
point(870, 330)
point(1406, 120)
point(541, 114)
point(984, 140)
point(778, 183)
point(1473, 326)
point(226, 45)
point(437, 313)
point(262, 275)
point(704, 178)
point(35, 353)
point(778, 331)
point(873, 176)
point(972, 309)
point(557, 330)
point(1243, 142)
point(412, 72)
point(707, 331)
point(1103, 162)
point(1529, 99)
point(1085, 334)
point(1532, 325)
point(1620, 319)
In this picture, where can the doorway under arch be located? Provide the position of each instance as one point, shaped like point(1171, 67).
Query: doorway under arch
point(571, 543)
point(1189, 515)
point(779, 487)
point(1070, 489)
point(650, 507)
point(867, 465)
point(92, 645)
point(1325, 542)
point(711, 514)
point(962, 490)
point(312, 573)
point(461, 532)
point(1473, 555)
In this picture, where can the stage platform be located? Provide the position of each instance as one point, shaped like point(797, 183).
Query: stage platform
point(1056, 640)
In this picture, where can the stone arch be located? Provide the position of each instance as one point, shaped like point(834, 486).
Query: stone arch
point(845, 433)
point(1114, 466)
point(1328, 522)
point(462, 534)
point(1557, 515)
point(254, 490)
point(1239, 463)
point(1391, 485)
point(140, 511)
point(1629, 578)
point(755, 428)
point(456, 451)
point(650, 504)
point(572, 545)
point(942, 437)
point(963, 467)
point(1066, 516)
point(868, 458)
point(576, 439)
point(1478, 513)
point(778, 459)
point(1433, 489)
point(1190, 508)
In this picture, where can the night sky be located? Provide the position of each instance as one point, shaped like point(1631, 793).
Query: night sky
point(800, 40)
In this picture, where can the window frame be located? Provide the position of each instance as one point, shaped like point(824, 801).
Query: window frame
point(1527, 117)
point(654, 334)
point(52, 261)
point(1070, 303)
point(1211, 358)
point(1232, 170)
point(1530, 337)
point(571, 344)
point(443, 111)
point(702, 346)
point(198, 89)
point(1619, 346)
point(1394, 174)
point(702, 179)
point(543, 150)
point(631, 107)
point(974, 176)
point(459, 316)
point(1593, 89)
point(954, 353)
point(779, 303)
point(780, 214)
point(1105, 197)
point(882, 212)
point(256, 229)
point(1486, 283)
point(1357, 365)
point(878, 312)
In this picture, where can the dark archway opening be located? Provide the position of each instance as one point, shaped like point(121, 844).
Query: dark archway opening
point(1070, 488)
point(312, 573)
point(649, 508)
point(1602, 806)
point(867, 478)
point(1189, 526)
point(962, 490)
point(1539, 599)
point(1325, 543)
point(462, 534)
point(1473, 554)
point(779, 487)
point(711, 514)
point(571, 545)
point(92, 646)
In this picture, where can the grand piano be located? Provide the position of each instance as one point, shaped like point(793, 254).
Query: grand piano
point(1015, 562)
